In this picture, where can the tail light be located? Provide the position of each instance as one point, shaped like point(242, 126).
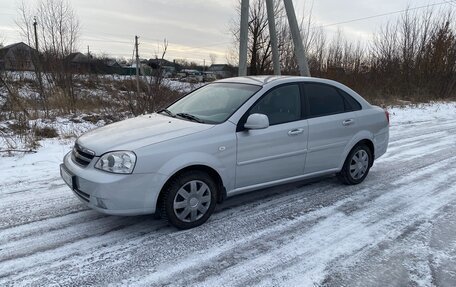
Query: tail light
point(387, 116)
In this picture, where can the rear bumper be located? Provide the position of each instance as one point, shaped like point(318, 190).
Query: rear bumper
point(381, 140)
point(115, 194)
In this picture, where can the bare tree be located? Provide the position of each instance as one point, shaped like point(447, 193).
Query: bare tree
point(318, 52)
point(156, 82)
point(213, 58)
point(59, 27)
point(58, 32)
point(414, 56)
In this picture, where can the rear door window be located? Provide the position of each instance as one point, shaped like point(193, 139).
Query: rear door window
point(323, 100)
point(350, 103)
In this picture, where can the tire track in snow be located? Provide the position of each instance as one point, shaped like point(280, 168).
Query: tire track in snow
point(285, 247)
point(406, 132)
point(420, 141)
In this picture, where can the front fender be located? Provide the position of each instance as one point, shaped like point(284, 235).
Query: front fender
point(192, 158)
point(182, 161)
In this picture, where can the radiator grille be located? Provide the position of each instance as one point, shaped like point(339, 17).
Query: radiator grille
point(82, 156)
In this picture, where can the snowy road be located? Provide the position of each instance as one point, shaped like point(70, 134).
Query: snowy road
point(398, 228)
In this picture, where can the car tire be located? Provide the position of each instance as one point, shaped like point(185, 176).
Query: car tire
point(189, 199)
point(356, 165)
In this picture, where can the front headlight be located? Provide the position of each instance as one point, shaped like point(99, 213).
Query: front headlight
point(117, 162)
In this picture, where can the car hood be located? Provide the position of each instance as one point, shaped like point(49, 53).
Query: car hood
point(138, 132)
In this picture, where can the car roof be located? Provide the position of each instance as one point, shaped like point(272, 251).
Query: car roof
point(274, 80)
point(259, 80)
point(271, 81)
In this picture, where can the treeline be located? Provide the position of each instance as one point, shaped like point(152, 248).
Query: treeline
point(412, 59)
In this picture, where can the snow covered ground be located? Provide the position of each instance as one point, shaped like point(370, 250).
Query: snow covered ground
point(397, 228)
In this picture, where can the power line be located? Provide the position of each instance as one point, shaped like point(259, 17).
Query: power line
point(102, 40)
point(189, 48)
point(212, 45)
point(380, 15)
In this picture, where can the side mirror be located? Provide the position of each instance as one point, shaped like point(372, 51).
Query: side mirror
point(256, 122)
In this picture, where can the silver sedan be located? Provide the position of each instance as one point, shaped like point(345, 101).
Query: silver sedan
point(228, 137)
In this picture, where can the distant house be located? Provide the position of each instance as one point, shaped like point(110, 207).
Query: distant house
point(82, 63)
point(17, 57)
point(130, 70)
point(78, 57)
point(105, 66)
point(157, 63)
point(78, 62)
point(168, 68)
point(222, 70)
point(112, 63)
point(112, 67)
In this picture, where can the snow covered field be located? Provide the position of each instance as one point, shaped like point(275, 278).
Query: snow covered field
point(398, 228)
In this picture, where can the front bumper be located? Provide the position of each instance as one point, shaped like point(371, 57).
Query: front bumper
point(115, 194)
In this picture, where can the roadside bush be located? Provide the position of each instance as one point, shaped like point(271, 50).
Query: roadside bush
point(45, 132)
point(19, 127)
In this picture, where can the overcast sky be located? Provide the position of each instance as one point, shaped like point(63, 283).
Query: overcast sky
point(197, 28)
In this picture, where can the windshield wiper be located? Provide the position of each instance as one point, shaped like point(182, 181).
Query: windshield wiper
point(167, 112)
point(190, 117)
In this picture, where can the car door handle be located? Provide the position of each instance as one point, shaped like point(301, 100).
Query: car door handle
point(294, 132)
point(348, 122)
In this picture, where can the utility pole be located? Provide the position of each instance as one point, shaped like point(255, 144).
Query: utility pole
point(137, 64)
point(243, 38)
point(295, 33)
point(37, 64)
point(36, 34)
point(273, 35)
point(88, 58)
point(297, 40)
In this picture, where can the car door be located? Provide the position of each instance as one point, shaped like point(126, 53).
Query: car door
point(279, 151)
point(332, 124)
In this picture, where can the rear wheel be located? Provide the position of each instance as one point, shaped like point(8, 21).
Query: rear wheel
point(357, 165)
point(189, 199)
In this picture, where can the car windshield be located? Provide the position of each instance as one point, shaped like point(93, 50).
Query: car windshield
point(213, 103)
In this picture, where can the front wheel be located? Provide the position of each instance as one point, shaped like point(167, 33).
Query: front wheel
point(357, 165)
point(189, 199)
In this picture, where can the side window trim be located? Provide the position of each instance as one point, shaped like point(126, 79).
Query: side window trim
point(240, 125)
point(304, 103)
point(305, 99)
